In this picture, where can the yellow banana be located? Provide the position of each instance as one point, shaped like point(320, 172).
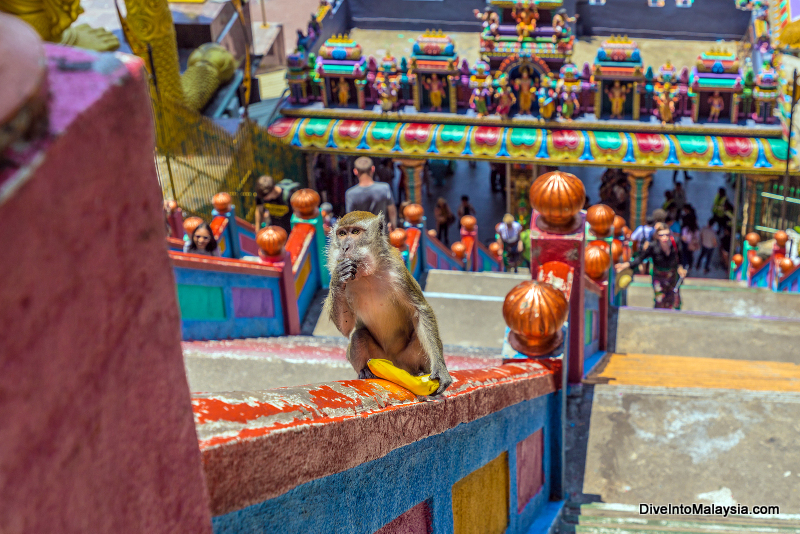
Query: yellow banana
point(418, 385)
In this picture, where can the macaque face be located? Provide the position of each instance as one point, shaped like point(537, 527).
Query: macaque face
point(351, 242)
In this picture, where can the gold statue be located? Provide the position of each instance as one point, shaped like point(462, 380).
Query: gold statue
point(343, 89)
point(436, 91)
point(52, 20)
point(525, 89)
point(717, 104)
point(666, 105)
point(526, 19)
point(617, 95)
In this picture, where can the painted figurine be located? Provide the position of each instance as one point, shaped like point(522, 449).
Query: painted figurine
point(490, 20)
point(717, 104)
point(561, 25)
point(524, 87)
point(387, 95)
point(479, 101)
point(617, 94)
point(547, 99)
point(569, 104)
point(343, 89)
point(436, 91)
point(505, 99)
point(526, 18)
point(666, 105)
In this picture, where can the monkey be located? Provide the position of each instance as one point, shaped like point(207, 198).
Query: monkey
point(377, 304)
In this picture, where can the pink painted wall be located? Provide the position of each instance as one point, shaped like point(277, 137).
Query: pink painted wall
point(96, 428)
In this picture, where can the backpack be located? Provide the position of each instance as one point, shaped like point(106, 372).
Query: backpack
point(288, 187)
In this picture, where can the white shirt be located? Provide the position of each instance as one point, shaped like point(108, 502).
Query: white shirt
point(510, 235)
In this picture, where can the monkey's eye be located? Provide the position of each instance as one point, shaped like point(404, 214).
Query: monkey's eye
point(341, 233)
point(355, 231)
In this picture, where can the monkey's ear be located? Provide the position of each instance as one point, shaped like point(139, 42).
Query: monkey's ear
point(381, 225)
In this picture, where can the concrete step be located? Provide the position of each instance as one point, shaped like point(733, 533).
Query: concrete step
point(476, 284)
point(707, 334)
point(721, 296)
point(267, 363)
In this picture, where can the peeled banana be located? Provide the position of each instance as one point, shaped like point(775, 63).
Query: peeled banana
point(418, 385)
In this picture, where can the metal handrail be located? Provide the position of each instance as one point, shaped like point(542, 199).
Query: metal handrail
point(284, 95)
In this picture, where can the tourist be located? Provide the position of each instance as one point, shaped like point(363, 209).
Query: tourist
point(718, 208)
point(328, 220)
point(465, 208)
point(725, 248)
point(202, 242)
point(444, 218)
point(641, 238)
point(679, 196)
point(371, 196)
point(385, 171)
point(525, 238)
point(510, 232)
point(669, 201)
point(272, 203)
point(690, 241)
point(667, 271)
point(686, 176)
point(708, 241)
point(496, 176)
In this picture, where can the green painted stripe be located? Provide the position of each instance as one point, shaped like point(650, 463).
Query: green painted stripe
point(201, 302)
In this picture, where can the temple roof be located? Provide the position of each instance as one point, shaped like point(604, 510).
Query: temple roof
point(534, 145)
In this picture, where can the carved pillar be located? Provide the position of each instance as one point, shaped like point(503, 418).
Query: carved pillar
point(637, 101)
point(412, 170)
point(640, 181)
point(754, 186)
point(598, 99)
point(696, 107)
point(417, 92)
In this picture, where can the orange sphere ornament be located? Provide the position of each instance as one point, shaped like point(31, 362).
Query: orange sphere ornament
point(756, 262)
point(781, 238)
point(413, 213)
point(626, 232)
point(616, 250)
point(458, 249)
point(558, 197)
point(597, 262)
point(752, 239)
point(468, 222)
point(431, 233)
point(618, 224)
point(398, 238)
point(190, 224)
point(495, 249)
point(786, 265)
point(221, 202)
point(535, 312)
point(601, 218)
point(602, 244)
point(271, 240)
point(305, 203)
point(737, 259)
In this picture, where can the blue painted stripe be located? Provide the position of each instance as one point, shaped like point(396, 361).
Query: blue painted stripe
point(672, 159)
point(468, 148)
point(761, 160)
point(397, 147)
point(543, 149)
point(715, 159)
point(629, 154)
point(331, 143)
point(433, 149)
point(296, 137)
point(587, 148)
point(503, 151)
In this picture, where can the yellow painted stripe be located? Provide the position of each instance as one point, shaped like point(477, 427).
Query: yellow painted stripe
point(689, 372)
point(302, 276)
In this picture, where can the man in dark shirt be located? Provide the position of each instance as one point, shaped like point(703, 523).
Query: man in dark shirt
point(368, 195)
point(272, 205)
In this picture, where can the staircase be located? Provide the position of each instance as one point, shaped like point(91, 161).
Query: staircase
point(608, 518)
point(695, 406)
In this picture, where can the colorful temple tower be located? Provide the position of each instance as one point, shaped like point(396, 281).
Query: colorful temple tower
point(435, 73)
point(716, 84)
point(342, 72)
point(618, 77)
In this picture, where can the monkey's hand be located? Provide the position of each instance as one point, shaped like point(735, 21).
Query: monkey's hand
point(346, 271)
point(444, 378)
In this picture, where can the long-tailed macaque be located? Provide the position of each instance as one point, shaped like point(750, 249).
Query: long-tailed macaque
point(375, 301)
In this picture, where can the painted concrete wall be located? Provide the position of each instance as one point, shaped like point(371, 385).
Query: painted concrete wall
point(376, 458)
point(95, 416)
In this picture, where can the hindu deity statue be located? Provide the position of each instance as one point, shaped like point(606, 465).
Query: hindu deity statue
point(52, 20)
point(665, 103)
point(569, 104)
point(387, 94)
point(490, 20)
point(524, 87)
point(505, 99)
point(617, 94)
point(479, 101)
point(547, 99)
point(717, 104)
point(526, 17)
point(561, 25)
point(343, 91)
point(436, 91)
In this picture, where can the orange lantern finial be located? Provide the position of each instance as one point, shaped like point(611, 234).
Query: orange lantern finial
point(737, 259)
point(190, 224)
point(752, 239)
point(597, 262)
point(601, 218)
point(781, 238)
point(398, 238)
point(413, 213)
point(271, 240)
point(459, 250)
point(221, 203)
point(558, 197)
point(535, 312)
point(305, 203)
point(468, 222)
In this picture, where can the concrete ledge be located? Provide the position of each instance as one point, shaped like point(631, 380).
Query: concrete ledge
point(309, 432)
